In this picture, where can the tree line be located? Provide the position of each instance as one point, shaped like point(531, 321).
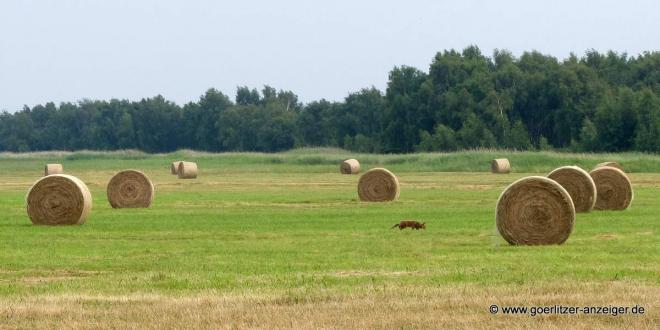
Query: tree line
point(597, 102)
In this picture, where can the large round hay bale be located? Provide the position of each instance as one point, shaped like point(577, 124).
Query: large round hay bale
point(610, 164)
point(174, 168)
point(53, 169)
point(500, 165)
point(535, 211)
point(59, 199)
point(350, 166)
point(378, 185)
point(187, 170)
point(130, 189)
point(579, 185)
point(614, 190)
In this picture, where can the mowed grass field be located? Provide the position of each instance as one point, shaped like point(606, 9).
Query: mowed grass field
point(281, 241)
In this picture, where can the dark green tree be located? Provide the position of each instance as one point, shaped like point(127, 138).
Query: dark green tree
point(647, 134)
point(442, 139)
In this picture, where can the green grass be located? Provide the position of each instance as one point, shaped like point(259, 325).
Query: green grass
point(278, 222)
point(319, 160)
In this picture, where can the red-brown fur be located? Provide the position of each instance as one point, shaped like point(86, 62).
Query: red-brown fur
point(410, 224)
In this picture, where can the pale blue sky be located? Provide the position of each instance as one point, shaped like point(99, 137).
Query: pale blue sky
point(68, 50)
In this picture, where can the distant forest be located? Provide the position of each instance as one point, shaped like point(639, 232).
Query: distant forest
point(598, 102)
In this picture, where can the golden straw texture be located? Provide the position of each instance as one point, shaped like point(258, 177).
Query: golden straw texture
point(59, 199)
point(53, 169)
point(610, 164)
point(174, 168)
point(578, 184)
point(187, 170)
point(378, 185)
point(535, 211)
point(350, 166)
point(613, 187)
point(130, 189)
point(500, 165)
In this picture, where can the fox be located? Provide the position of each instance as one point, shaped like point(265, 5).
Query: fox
point(410, 223)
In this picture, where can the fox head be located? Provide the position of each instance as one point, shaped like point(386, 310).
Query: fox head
point(423, 225)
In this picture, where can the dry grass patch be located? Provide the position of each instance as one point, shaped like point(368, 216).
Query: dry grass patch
point(463, 307)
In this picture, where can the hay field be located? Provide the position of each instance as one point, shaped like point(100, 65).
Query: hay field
point(281, 241)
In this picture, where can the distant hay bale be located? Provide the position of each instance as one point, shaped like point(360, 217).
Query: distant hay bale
point(378, 185)
point(500, 165)
point(53, 169)
point(350, 166)
point(535, 211)
point(174, 168)
point(130, 189)
point(610, 164)
point(579, 185)
point(59, 199)
point(614, 190)
point(187, 170)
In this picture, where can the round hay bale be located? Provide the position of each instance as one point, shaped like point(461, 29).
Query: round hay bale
point(350, 166)
point(610, 164)
point(500, 166)
point(59, 199)
point(174, 168)
point(378, 185)
point(130, 189)
point(187, 170)
point(53, 169)
point(535, 211)
point(613, 188)
point(579, 185)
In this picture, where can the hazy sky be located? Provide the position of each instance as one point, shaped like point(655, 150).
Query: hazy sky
point(68, 50)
